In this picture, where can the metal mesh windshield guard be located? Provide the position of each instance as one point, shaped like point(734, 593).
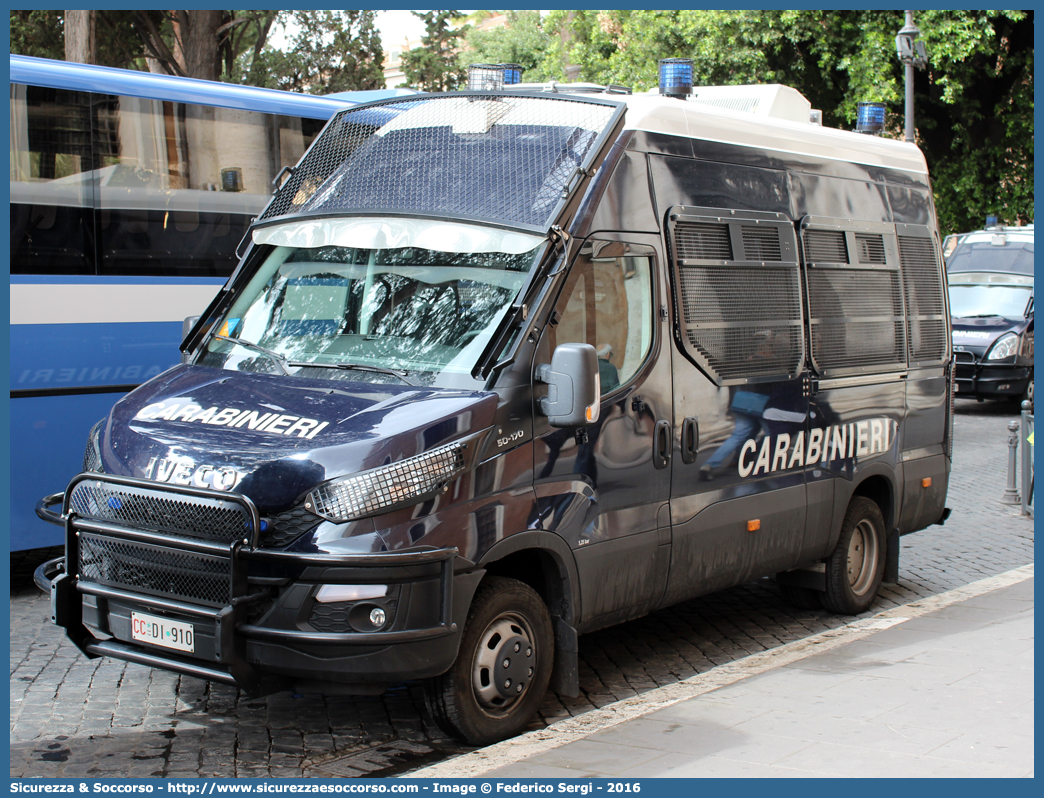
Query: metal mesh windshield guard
point(158, 511)
point(499, 157)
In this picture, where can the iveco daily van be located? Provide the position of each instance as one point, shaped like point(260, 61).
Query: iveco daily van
point(990, 278)
point(499, 368)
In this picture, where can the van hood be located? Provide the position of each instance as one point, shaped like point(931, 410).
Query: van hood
point(273, 438)
point(978, 334)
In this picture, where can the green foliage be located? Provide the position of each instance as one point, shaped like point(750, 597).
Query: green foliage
point(433, 66)
point(523, 41)
point(42, 34)
point(330, 51)
point(38, 33)
point(974, 103)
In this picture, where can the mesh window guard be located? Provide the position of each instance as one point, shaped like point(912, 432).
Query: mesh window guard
point(927, 322)
point(486, 156)
point(737, 291)
point(855, 297)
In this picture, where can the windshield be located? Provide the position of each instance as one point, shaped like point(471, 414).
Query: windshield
point(391, 314)
point(1015, 257)
point(1009, 301)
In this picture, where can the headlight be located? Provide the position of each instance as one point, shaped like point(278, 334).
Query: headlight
point(1005, 346)
point(92, 454)
point(379, 489)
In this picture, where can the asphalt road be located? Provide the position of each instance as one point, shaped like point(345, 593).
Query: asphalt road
point(101, 718)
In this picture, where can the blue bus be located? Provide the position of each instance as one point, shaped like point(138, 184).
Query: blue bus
point(130, 193)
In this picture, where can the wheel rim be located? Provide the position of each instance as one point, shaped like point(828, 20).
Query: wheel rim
point(505, 663)
point(862, 557)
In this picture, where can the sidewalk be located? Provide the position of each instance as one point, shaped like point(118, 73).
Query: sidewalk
point(947, 693)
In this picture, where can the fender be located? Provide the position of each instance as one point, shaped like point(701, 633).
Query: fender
point(560, 553)
point(563, 599)
point(844, 491)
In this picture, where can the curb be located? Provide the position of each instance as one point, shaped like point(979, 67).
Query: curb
point(568, 730)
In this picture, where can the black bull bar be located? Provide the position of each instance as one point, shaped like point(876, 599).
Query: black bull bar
point(240, 557)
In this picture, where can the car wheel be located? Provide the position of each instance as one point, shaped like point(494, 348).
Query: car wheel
point(855, 568)
point(503, 667)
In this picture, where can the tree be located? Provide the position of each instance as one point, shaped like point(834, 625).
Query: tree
point(79, 37)
point(42, 34)
point(202, 43)
point(523, 41)
point(38, 33)
point(331, 51)
point(433, 66)
point(974, 105)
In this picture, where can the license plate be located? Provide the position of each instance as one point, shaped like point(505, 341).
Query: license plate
point(162, 632)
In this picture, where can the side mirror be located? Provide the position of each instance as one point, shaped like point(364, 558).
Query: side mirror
point(573, 386)
point(186, 327)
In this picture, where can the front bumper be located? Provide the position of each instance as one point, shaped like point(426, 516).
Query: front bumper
point(991, 381)
point(253, 612)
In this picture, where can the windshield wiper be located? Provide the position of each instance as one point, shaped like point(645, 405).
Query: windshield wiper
point(359, 367)
point(277, 359)
point(983, 316)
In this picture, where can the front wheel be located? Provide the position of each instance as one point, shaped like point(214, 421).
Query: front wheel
point(502, 670)
point(855, 568)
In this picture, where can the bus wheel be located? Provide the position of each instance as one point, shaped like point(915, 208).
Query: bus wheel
point(503, 667)
point(854, 570)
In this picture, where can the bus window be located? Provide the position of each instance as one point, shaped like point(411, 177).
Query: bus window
point(181, 182)
point(51, 191)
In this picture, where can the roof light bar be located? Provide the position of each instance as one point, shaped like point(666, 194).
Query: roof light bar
point(485, 77)
point(870, 117)
point(493, 77)
point(512, 73)
point(676, 77)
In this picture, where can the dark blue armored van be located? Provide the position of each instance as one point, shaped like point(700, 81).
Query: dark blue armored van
point(501, 368)
point(990, 279)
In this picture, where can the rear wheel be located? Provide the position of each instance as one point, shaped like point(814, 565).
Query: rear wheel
point(855, 568)
point(502, 669)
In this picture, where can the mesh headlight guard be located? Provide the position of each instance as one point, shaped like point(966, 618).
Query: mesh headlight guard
point(397, 484)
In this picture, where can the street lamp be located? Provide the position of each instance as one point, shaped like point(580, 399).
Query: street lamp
point(911, 53)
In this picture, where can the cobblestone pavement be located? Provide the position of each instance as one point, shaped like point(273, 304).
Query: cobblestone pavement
point(97, 718)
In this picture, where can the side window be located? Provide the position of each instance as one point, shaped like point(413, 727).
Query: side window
point(608, 302)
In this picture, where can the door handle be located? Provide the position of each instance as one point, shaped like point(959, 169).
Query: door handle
point(690, 440)
point(662, 444)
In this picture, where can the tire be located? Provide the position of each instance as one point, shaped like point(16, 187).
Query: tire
point(1027, 395)
point(855, 568)
point(507, 623)
point(804, 598)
